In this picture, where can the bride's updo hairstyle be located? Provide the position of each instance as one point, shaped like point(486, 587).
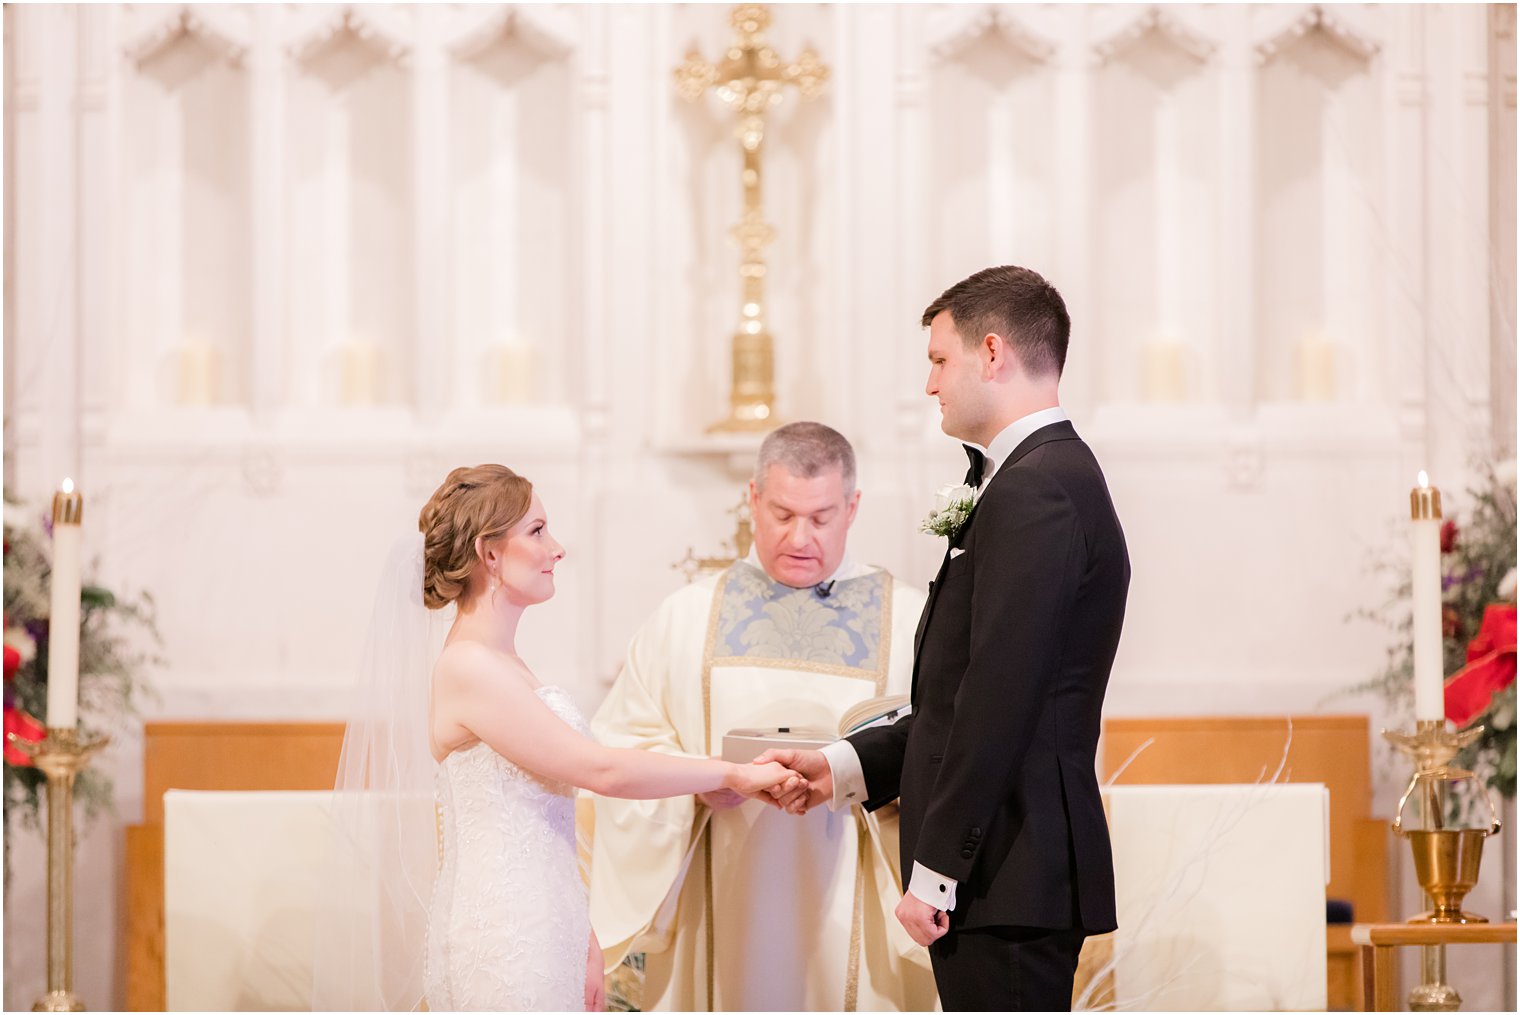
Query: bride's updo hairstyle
point(482, 503)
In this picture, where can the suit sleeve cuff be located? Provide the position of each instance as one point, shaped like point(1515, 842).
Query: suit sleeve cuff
point(935, 889)
point(849, 778)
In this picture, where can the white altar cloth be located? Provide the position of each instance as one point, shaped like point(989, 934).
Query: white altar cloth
point(240, 872)
point(1221, 897)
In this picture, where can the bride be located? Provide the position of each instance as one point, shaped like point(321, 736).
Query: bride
point(479, 904)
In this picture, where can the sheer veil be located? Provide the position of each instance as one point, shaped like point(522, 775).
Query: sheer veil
point(371, 928)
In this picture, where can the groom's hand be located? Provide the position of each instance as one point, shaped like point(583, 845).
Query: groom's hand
point(923, 922)
point(811, 765)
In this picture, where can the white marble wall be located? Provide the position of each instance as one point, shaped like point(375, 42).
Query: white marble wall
point(273, 270)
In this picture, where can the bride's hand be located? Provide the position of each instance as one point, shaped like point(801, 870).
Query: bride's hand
point(751, 780)
point(596, 984)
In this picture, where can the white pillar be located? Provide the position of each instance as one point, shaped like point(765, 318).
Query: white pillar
point(1075, 254)
point(1235, 360)
point(432, 344)
point(337, 317)
point(1167, 167)
point(44, 280)
point(268, 355)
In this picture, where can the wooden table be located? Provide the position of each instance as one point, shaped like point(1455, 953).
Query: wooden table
point(1378, 941)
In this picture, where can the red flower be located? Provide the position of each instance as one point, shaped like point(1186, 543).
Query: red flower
point(12, 662)
point(25, 727)
point(1448, 536)
point(1490, 666)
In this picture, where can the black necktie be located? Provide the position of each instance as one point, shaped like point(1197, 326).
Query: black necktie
point(978, 466)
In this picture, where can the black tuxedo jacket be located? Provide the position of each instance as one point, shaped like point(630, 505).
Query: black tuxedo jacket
point(994, 769)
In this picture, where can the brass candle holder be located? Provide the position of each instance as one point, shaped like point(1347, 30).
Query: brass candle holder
point(1446, 860)
point(61, 755)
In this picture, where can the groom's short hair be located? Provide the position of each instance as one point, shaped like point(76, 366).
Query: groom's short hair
point(806, 450)
point(1013, 302)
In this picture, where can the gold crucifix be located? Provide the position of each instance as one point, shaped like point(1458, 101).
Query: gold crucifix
point(749, 81)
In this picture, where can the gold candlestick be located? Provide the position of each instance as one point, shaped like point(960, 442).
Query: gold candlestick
point(749, 81)
point(1445, 859)
point(61, 755)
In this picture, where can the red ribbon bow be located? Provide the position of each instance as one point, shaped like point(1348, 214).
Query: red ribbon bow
point(22, 727)
point(1490, 666)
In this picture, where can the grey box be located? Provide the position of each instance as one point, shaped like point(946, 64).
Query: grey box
point(745, 745)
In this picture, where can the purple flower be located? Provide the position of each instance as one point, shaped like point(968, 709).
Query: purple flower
point(1450, 581)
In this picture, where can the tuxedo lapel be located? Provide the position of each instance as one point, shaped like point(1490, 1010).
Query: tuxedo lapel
point(1062, 431)
point(955, 543)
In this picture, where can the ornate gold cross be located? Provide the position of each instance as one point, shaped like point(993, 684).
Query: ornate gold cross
point(749, 81)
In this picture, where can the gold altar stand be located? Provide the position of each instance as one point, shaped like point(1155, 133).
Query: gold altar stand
point(1378, 941)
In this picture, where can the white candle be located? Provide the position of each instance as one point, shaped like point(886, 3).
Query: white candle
point(197, 373)
point(1425, 546)
point(63, 619)
point(512, 372)
point(1316, 370)
point(1164, 378)
point(361, 373)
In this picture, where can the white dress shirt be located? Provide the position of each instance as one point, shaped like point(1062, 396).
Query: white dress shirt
point(849, 780)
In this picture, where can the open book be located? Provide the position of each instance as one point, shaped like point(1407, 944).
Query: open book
point(883, 711)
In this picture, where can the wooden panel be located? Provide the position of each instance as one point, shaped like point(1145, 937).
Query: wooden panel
point(1342, 969)
point(198, 755)
point(1372, 839)
point(211, 756)
point(144, 921)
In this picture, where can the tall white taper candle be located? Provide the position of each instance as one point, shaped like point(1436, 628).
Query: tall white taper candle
point(63, 618)
point(1425, 546)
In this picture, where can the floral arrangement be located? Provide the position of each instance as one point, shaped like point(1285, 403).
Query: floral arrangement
point(1478, 627)
point(952, 506)
point(109, 665)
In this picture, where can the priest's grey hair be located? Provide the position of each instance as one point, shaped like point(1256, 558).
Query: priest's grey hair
point(806, 450)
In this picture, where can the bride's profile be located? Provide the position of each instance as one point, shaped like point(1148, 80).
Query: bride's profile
point(457, 878)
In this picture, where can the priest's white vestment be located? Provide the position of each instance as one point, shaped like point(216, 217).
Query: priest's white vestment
point(750, 908)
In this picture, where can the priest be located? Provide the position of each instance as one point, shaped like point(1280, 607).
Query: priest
point(736, 905)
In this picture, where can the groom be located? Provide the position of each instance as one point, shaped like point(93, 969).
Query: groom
point(1002, 826)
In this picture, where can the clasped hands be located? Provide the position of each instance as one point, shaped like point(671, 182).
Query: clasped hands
point(812, 785)
point(808, 782)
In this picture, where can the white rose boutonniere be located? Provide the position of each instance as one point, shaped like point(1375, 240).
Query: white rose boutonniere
point(952, 506)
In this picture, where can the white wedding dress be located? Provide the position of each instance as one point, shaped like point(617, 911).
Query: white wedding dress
point(508, 926)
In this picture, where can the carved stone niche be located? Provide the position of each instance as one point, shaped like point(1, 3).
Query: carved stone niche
point(185, 237)
point(349, 192)
point(516, 236)
point(1321, 235)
